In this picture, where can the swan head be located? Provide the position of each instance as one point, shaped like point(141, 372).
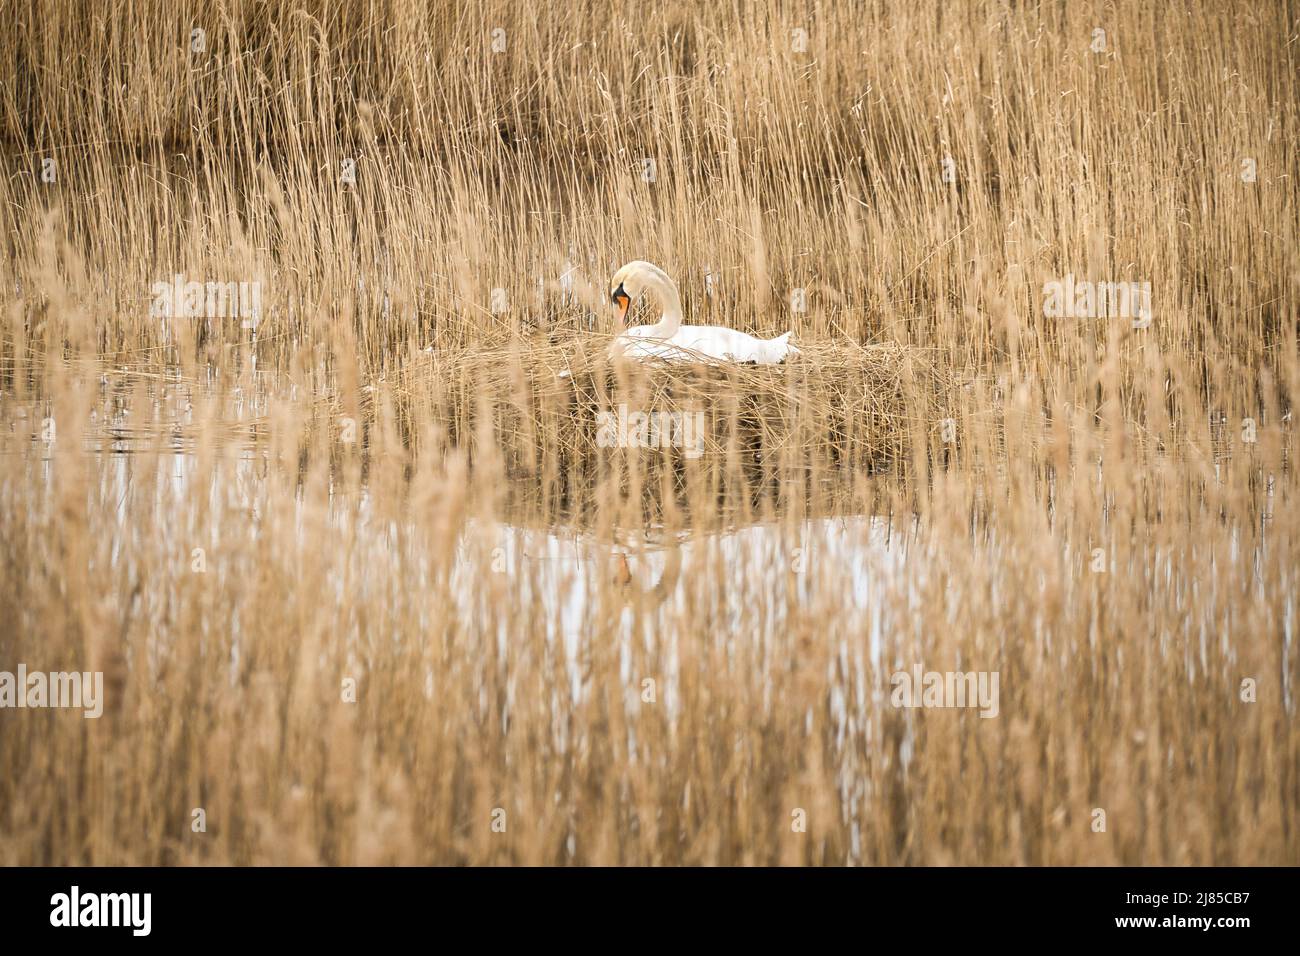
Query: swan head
point(631, 280)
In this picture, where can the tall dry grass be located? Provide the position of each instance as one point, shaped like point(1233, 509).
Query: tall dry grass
point(370, 485)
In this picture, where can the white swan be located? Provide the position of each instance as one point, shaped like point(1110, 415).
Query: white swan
point(669, 339)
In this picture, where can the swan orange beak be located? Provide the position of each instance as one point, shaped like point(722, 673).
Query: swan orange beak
point(622, 300)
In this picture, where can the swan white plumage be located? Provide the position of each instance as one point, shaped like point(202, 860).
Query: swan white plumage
point(668, 339)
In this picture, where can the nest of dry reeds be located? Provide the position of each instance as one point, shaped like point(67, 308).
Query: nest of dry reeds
point(566, 413)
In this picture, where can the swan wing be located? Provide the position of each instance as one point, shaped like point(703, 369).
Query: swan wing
point(732, 345)
point(704, 343)
point(643, 347)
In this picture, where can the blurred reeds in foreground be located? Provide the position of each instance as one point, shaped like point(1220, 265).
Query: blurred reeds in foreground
point(365, 587)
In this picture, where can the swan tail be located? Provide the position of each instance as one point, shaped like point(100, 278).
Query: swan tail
point(780, 348)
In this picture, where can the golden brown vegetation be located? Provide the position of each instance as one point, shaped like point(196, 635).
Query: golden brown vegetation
point(387, 481)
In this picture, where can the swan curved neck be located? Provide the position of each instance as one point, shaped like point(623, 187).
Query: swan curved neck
point(665, 290)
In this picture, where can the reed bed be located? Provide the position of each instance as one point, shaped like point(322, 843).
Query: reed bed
point(376, 556)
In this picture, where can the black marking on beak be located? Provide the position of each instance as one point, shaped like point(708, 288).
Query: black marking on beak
point(620, 293)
